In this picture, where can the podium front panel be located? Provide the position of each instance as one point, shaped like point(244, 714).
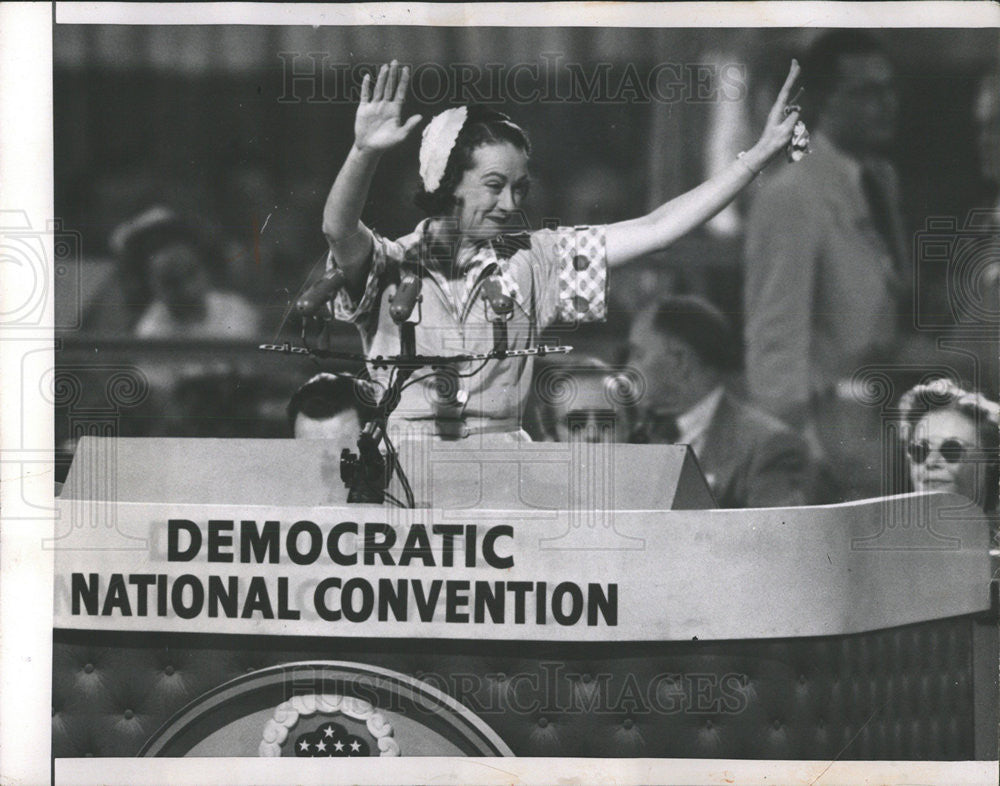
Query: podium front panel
point(575, 605)
point(463, 474)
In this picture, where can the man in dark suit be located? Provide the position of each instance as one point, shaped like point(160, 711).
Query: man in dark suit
point(682, 351)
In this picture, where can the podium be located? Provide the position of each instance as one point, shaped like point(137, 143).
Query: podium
point(447, 475)
point(576, 600)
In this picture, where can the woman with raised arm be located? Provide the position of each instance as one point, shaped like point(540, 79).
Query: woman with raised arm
point(474, 176)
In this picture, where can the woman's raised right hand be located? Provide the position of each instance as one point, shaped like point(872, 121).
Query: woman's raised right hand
point(378, 124)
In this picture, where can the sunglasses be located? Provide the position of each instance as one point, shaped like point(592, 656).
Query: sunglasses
point(582, 418)
point(951, 450)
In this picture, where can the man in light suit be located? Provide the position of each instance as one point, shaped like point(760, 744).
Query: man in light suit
point(827, 277)
point(681, 352)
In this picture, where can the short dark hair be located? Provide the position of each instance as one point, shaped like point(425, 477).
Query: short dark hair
point(324, 396)
point(555, 386)
point(943, 394)
point(819, 63)
point(483, 126)
point(701, 326)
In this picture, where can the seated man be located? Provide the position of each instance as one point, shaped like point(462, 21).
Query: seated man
point(326, 407)
point(682, 351)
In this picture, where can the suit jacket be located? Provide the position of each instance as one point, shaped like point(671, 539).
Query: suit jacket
point(821, 287)
point(752, 460)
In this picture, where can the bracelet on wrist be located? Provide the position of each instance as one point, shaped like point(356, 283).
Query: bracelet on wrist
point(750, 169)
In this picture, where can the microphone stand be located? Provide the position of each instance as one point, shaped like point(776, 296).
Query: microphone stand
point(367, 473)
point(499, 309)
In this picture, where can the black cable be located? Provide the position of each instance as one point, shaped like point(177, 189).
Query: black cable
point(391, 449)
point(397, 465)
point(405, 482)
point(393, 500)
point(434, 373)
point(476, 370)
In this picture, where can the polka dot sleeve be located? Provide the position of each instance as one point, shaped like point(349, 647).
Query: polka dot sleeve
point(577, 273)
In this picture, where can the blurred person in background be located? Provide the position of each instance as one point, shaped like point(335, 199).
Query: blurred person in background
point(246, 203)
point(827, 272)
point(326, 407)
point(262, 235)
point(952, 442)
point(188, 298)
point(986, 115)
point(596, 191)
point(683, 351)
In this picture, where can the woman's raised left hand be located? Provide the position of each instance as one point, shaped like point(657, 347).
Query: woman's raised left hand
point(780, 124)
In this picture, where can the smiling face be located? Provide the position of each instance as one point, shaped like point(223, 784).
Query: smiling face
point(935, 472)
point(490, 194)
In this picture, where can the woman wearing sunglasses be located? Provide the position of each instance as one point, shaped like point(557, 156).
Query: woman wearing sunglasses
point(952, 441)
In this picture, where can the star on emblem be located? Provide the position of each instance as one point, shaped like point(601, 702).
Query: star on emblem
point(304, 745)
point(321, 746)
point(338, 745)
point(355, 746)
point(328, 731)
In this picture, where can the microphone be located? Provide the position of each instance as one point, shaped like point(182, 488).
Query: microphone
point(502, 308)
point(314, 298)
point(501, 304)
point(405, 299)
point(401, 307)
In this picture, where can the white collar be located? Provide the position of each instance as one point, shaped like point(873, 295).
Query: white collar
point(693, 423)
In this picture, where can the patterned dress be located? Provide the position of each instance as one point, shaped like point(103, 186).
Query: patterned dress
point(552, 275)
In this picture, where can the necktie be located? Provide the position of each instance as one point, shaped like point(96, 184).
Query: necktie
point(880, 211)
point(656, 429)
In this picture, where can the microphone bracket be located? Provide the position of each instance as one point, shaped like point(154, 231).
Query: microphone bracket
point(367, 473)
point(498, 308)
